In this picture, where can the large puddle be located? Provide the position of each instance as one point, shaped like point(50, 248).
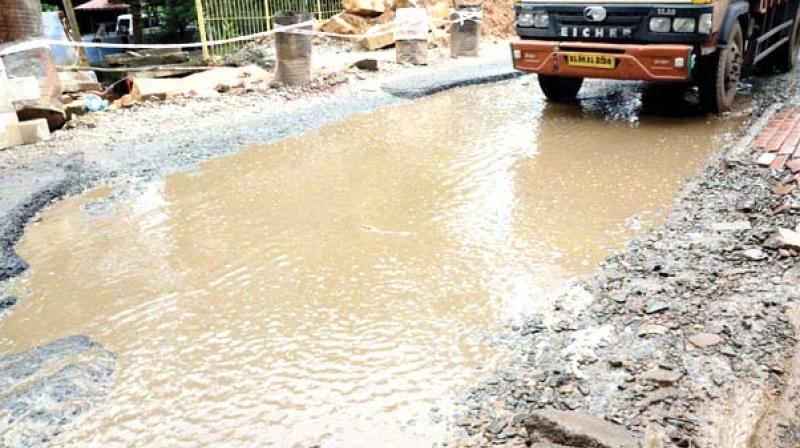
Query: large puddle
point(338, 288)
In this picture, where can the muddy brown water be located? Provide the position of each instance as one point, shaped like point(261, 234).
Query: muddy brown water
point(338, 288)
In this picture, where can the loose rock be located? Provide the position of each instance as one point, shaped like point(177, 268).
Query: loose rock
point(662, 376)
point(754, 254)
point(577, 429)
point(704, 340)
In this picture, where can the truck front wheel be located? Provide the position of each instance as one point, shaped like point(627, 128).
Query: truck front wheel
point(560, 89)
point(719, 74)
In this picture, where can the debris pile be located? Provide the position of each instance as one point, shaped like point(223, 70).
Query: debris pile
point(209, 83)
point(32, 69)
point(15, 130)
point(498, 18)
point(75, 86)
point(374, 18)
point(379, 28)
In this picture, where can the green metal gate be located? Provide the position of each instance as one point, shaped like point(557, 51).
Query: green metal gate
point(225, 19)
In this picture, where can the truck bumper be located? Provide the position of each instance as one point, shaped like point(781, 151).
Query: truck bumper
point(652, 62)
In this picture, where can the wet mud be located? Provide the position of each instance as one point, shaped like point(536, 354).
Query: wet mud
point(341, 287)
point(13, 224)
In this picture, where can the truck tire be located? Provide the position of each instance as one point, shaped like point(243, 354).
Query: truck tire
point(785, 57)
point(719, 74)
point(560, 89)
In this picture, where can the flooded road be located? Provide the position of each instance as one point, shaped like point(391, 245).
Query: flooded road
point(339, 288)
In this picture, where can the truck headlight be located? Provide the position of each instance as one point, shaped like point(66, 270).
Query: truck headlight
point(705, 23)
point(660, 24)
point(541, 19)
point(684, 25)
point(525, 19)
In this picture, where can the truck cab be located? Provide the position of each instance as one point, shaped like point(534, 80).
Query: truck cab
point(150, 25)
point(705, 42)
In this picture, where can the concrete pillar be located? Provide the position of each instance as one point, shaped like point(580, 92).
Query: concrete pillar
point(293, 51)
point(9, 126)
point(413, 52)
point(465, 34)
point(411, 36)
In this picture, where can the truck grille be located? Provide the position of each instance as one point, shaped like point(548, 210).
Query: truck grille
point(612, 18)
point(618, 25)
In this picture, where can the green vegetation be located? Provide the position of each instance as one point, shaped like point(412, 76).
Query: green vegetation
point(178, 17)
point(174, 19)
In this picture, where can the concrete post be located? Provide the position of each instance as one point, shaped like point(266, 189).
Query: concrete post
point(293, 51)
point(414, 52)
point(9, 125)
point(465, 34)
point(411, 36)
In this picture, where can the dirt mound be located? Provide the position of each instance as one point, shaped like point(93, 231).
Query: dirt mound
point(498, 18)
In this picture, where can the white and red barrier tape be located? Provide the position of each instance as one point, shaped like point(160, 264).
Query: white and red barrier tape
point(293, 29)
point(44, 43)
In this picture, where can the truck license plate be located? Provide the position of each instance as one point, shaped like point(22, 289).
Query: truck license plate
point(593, 60)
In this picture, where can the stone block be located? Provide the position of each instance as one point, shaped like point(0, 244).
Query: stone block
point(577, 429)
point(366, 8)
point(24, 89)
point(378, 36)
point(9, 126)
point(34, 131)
point(9, 130)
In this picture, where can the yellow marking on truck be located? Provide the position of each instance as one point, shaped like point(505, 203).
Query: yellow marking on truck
point(592, 60)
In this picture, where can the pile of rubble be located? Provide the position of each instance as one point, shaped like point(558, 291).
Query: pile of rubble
point(375, 18)
point(14, 132)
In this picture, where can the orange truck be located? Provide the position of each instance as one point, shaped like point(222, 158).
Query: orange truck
point(704, 42)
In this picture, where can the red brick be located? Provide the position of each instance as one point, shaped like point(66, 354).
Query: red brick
point(781, 134)
point(790, 144)
point(776, 141)
point(794, 165)
point(779, 162)
point(760, 142)
point(760, 145)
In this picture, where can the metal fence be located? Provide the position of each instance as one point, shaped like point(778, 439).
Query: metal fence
point(225, 19)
